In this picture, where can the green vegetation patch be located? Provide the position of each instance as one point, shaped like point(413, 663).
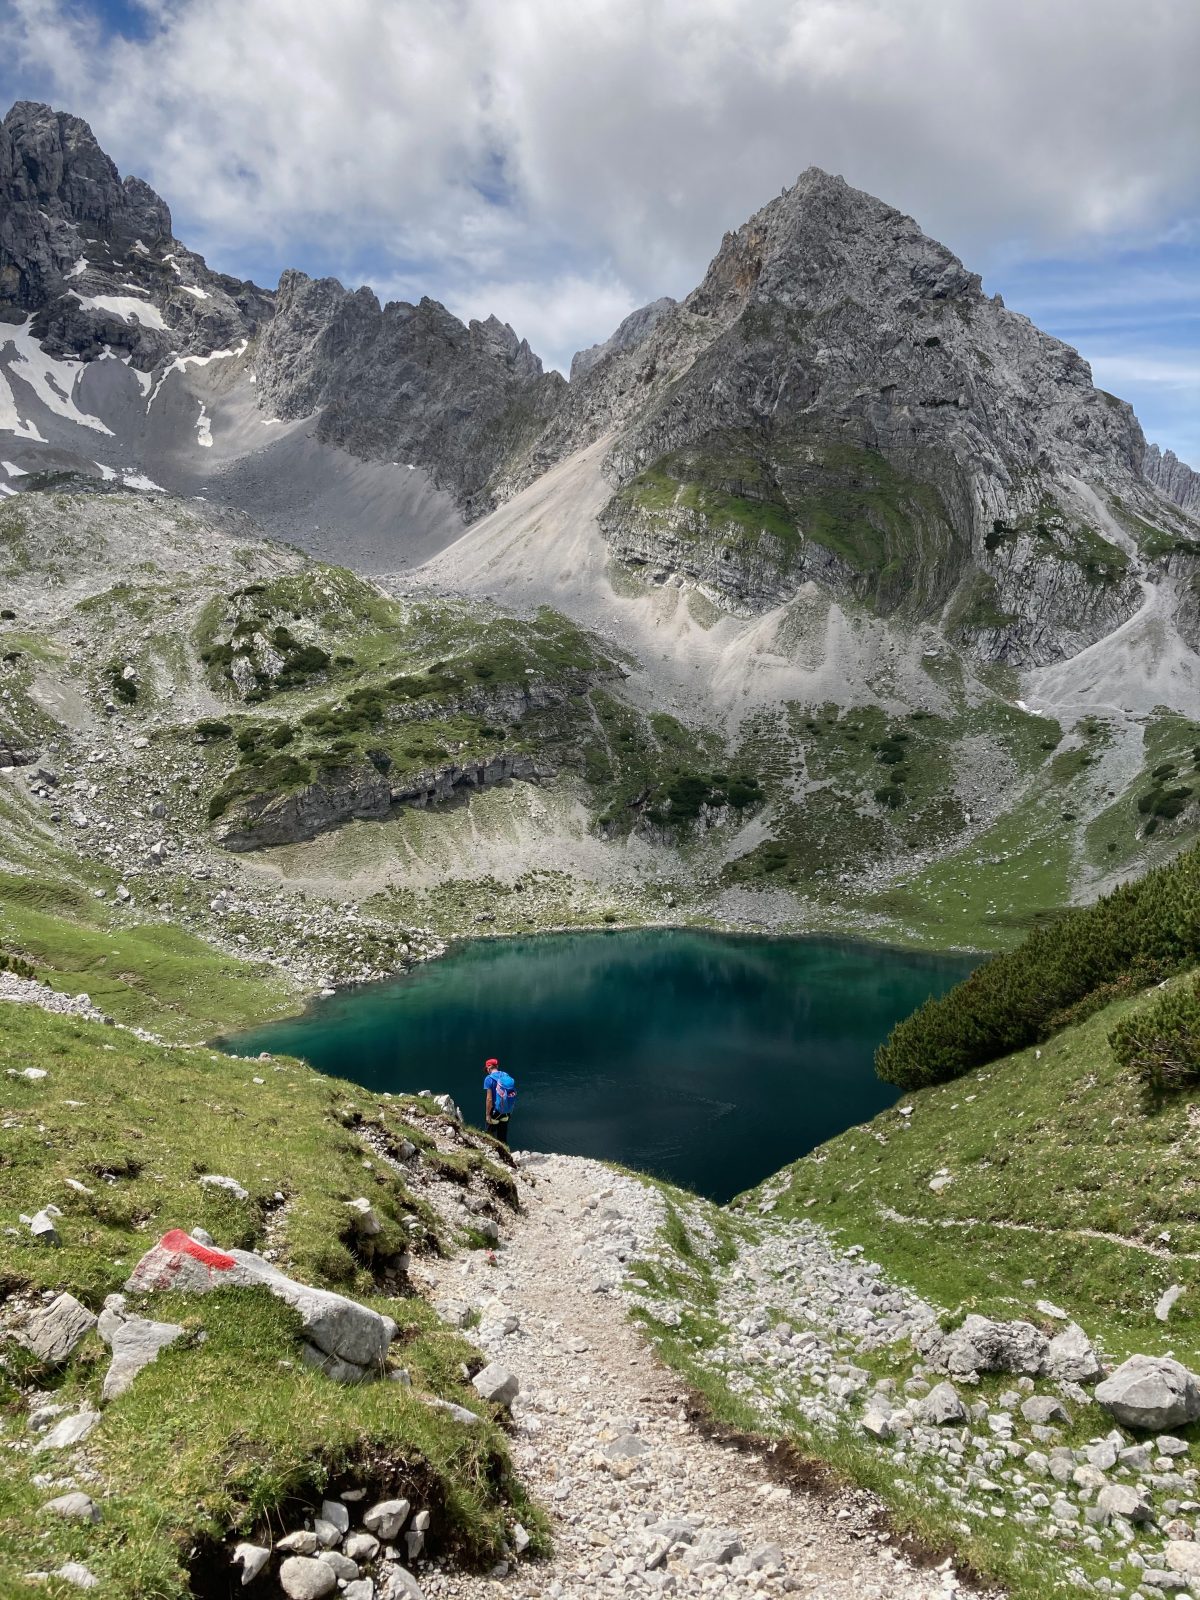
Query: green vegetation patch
point(1160, 1044)
point(1142, 930)
point(228, 1432)
point(153, 975)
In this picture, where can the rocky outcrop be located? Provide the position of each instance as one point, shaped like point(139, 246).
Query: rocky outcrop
point(408, 383)
point(635, 330)
point(346, 1340)
point(1175, 478)
point(981, 1345)
point(367, 794)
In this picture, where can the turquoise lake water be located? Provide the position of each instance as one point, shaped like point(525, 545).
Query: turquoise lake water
point(708, 1059)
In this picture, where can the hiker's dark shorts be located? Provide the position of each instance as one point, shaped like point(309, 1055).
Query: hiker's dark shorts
point(499, 1129)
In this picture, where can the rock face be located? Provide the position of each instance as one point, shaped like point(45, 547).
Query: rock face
point(363, 792)
point(405, 382)
point(1177, 481)
point(346, 1339)
point(91, 256)
point(635, 330)
point(1151, 1393)
point(839, 401)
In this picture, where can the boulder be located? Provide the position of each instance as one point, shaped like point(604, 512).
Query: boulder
point(1166, 1300)
point(399, 1584)
point(303, 1542)
point(387, 1517)
point(78, 1507)
point(361, 1547)
point(53, 1333)
point(252, 1558)
point(1044, 1408)
point(218, 1180)
point(1121, 1500)
point(136, 1342)
point(1183, 1555)
point(335, 1512)
point(74, 1572)
point(71, 1430)
point(469, 1419)
point(303, 1578)
point(1070, 1358)
point(445, 1104)
point(366, 1223)
point(981, 1345)
point(345, 1569)
point(497, 1384)
point(354, 1336)
point(1151, 1394)
point(942, 1406)
point(42, 1225)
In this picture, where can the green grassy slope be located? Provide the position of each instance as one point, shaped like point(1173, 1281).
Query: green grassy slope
point(227, 1431)
point(1064, 1185)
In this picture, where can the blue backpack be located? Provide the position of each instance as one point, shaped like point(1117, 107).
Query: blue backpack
point(504, 1095)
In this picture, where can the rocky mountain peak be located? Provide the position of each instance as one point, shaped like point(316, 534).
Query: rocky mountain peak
point(633, 331)
point(1175, 478)
point(498, 340)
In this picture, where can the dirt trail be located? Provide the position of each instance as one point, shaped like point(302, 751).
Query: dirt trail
point(641, 1501)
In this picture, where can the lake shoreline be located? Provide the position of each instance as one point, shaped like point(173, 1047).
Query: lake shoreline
point(693, 1053)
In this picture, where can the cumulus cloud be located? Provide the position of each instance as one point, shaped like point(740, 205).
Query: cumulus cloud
point(571, 161)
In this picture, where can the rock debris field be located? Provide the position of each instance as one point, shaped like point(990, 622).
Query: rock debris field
point(641, 1502)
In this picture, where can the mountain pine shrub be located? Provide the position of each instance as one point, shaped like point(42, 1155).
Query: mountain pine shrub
point(1161, 1045)
point(1141, 932)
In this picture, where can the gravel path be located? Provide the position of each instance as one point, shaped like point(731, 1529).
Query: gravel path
point(641, 1502)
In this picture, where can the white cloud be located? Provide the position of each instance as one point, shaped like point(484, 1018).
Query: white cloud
point(572, 160)
point(559, 315)
point(1115, 372)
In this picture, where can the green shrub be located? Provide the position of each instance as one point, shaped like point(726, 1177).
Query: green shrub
point(1146, 929)
point(213, 728)
point(891, 795)
point(1161, 1045)
point(16, 965)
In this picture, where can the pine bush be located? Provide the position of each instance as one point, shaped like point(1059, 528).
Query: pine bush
point(1161, 1045)
point(1143, 931)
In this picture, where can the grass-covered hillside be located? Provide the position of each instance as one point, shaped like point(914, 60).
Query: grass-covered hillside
point(228, 1434)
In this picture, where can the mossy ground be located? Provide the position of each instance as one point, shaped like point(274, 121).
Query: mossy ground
point(229, 1432)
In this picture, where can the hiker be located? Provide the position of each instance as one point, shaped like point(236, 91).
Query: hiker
point(499, 1100)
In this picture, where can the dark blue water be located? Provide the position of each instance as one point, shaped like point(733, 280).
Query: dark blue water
point(708, 1059)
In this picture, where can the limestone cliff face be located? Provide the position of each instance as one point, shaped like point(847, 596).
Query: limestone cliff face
point(1177, 481)
point(839, 399)
point(409, 383)
point(345, 794)
point(91, 256)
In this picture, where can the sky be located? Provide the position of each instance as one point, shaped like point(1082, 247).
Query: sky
point(560, 162)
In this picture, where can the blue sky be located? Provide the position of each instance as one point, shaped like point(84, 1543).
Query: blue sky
point(561, 164)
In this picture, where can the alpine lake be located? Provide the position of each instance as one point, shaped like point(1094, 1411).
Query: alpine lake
point(708, 1059)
